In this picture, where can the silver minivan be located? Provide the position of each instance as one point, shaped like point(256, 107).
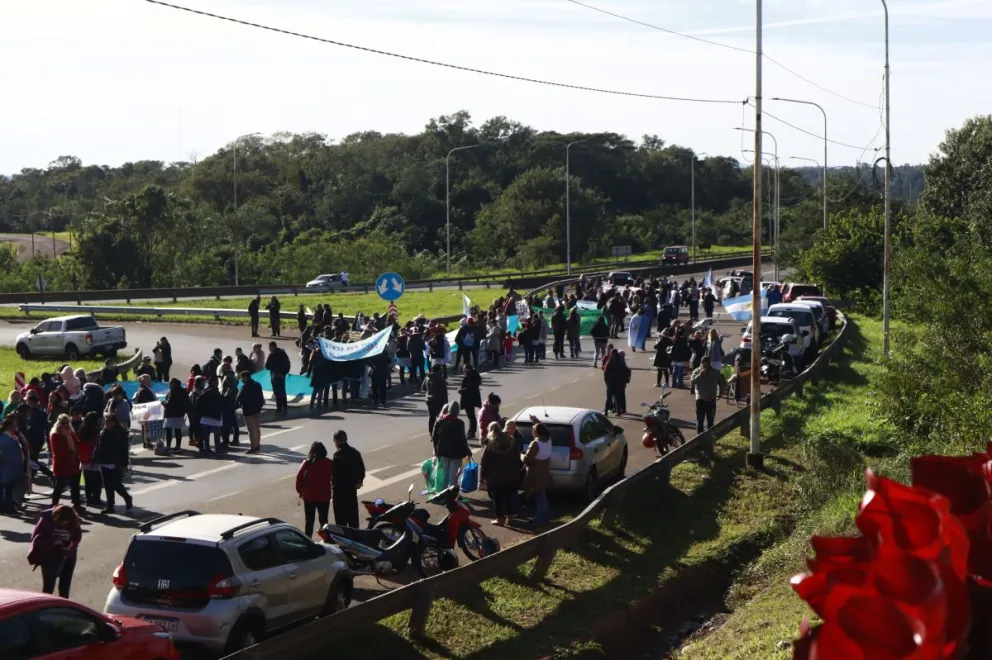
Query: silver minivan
point(587, 449)
point(224, 582)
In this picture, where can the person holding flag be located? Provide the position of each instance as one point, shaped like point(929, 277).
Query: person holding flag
point(708, 280)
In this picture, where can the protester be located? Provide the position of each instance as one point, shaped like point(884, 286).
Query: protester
point(471, 397)
point(12, 465)
point(572, 328)
point(274, 318)
point(251, 399)
point(54, 543)
point(119, 406)
point(349, 475)
point(437, 395)
point(209, 411)
point(538, 477)
point(708, 383)
point(70, 381)
point(450, 444)
point(112, 454)
point(313, 485)
point(714, 349)
point(176, 406)
point(279, 367)
point(145, 394)
point(253, 313)
point(34, 424)
point(379, 368)
point(257, 357)
point(639, 326)
point(14, 399)
point(242, 362)
point(301, 319)
point(489, 414)
point(65, 461)
point(89, 438)
point(57, 407)
point(663, 358)
point(616, 376)
point(681, 354)
point(165, 365)
point(499, 468)
point(230, 432)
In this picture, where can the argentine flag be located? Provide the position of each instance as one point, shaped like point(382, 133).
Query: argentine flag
point(466, 306)
point(739, 308)
point(708, 280)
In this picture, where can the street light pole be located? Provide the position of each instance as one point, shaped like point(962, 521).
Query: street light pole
point(775, 217)
point(824, 149)
point(235, 170)
point(692, 179)
point(886, 266)
point(447, 198)
point(755, 458)
point(568, 200)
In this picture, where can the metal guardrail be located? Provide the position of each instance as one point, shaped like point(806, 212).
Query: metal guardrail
point(419, 596)
point(506, 280)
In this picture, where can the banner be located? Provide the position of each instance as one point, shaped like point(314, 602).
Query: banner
point(523, 310)
point(739, 308)
point(587, 305)
point(466, 306)
point(587, 318)
point(357, 350)
point(147, 412)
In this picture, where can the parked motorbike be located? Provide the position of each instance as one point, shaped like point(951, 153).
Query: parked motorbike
point(659, 432)
point(374, 552)
point(457, 527)
point(776, 361)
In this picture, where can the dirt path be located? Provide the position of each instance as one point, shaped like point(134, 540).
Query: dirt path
point(43, 245)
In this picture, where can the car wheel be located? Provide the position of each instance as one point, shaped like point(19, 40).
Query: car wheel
point(246, 632)
point(71, 353)
point(592, 485)
point(338, 598)
point(24, 351)
point(623, 465)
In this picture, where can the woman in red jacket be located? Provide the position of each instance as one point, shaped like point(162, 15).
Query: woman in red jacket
point(65, 461)
point(313, 484)
point(89, 438)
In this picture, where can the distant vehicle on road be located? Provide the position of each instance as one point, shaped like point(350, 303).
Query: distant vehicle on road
point(586, 448)
point(40, 626)
point(225, 582)
point(326, 284)
point(620, 278)
point(72, 337)
point(675, 255)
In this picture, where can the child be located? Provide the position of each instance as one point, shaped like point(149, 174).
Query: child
point(508, 343)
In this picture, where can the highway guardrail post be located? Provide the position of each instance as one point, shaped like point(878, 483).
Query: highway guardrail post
point(423, 600)
point(612, 509)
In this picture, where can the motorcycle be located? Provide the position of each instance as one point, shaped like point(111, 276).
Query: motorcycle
point(457, 527)
point(659, 432)
point(374, 552)
point(776, 362)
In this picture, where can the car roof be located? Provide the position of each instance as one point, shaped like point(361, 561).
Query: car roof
point(67, 318)
point(795, 284)
point(775, 319)
point(552, 414)
point(676, 247)
point(12, 597)
point(203, 527)
point(789, 307)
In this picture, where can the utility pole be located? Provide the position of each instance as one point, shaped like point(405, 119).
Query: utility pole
point(447, 198)
point(755, 459)
point(886, 266)
point(825, 141)
point(692, 183)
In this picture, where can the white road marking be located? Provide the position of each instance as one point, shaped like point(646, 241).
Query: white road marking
point(382, 469)
point(555, 388)
point(534, 396)
point(226, 495)
point(575, 380)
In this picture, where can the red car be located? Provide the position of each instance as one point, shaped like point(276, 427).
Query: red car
point(43, 627)
point(792, 291)
point(827, 305)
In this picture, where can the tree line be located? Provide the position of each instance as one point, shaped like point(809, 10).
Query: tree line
point(307, 205)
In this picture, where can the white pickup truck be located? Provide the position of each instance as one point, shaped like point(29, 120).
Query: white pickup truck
point(72, 337)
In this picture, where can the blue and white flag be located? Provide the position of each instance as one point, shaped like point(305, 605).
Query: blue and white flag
point(466, 306)
point(739, 308)
point(356, 350)
point(708, 280)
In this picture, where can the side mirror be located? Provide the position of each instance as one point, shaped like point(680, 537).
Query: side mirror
point(617, 430)
point(409, 492)
point(34, 331)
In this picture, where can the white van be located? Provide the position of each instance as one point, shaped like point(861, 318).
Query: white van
point(803, 316)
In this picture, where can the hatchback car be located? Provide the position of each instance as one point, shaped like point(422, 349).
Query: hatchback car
point(586, 448)
point(224, 582)
point(325, 284)
point(39, 626)
point(675, 255)
point(804, 318)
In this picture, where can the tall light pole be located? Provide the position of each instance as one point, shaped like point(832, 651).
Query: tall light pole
point(824, 148)
point(447, 198)
point(235, 170)
point(774, 218)
point(568, 200)
point(888, 197)
point(755, 458)
point(692, 179)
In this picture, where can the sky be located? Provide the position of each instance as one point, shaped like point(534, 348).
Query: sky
point(112, 81)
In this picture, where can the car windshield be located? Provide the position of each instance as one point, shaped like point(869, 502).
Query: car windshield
point(561, 434)
point(802, 318)
point(172, 572)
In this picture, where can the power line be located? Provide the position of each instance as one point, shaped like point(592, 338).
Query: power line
point(811, 133)
point(720, 45)
point(446, 65)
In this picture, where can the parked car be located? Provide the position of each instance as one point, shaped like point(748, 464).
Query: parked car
point(675, 255)
point(325, 284)
point(586, 448)
point(822, 320)
point(72, 337)
point(827, 305)
point(224, 582)
point(791, 291)
point(803, 316)
point(620, 278)
point(765, 285)
point(775, 327)
point(40, 626)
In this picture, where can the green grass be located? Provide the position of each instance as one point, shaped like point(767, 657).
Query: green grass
point(429, 303)
point(11, 363)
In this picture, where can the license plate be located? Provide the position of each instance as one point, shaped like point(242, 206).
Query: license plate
point(170, 625)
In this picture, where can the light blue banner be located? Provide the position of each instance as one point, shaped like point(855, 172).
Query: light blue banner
point(357, 350)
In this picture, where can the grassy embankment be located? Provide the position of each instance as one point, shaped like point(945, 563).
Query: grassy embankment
point(675, 551)
point(11, 363)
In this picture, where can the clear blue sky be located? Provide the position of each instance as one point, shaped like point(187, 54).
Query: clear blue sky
point(113, 81)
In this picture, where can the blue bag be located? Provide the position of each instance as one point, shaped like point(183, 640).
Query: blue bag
point(470, 477)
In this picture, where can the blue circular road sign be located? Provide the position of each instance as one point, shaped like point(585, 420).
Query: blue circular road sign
point(390, 286)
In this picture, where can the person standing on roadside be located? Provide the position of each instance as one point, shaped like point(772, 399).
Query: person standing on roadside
point(54, 542)
point(274, 317)
point(12, 465)
point(471, 397)
point(708, 384)
point(301, 319)
point(349, 475)
point(65, 461)
point(89, 438)
point(112, 455)
point(251, 400)
point(209, 412)
point(279, 366)
point(175, 407)
point(257, 357)
point(538, 478)
point(600, 333)
point(253, 307)
point(313, 485)
point(437, 395)
point(499, 468)
point(450, 444)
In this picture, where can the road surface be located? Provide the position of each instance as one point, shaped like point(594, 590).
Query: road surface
point(39, 244)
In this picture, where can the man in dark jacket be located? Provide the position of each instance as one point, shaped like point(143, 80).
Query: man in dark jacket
point(251, 400)
point(253, 313)
point(211, 366)
point(450, 445)
point(349, 474)
point(279, 366)
point(379, 368)
point(558, 326)
point(437, 395)
point(34, 425)
point(417, 348)
point(112, 455)
point(209, 412)
point(166, 363)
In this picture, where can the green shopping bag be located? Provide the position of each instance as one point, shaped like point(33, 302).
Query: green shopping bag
point(434, 477)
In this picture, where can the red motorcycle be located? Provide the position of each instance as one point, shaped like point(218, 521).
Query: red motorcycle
point(456, 528)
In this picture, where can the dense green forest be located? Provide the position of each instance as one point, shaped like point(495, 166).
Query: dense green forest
point(307, 205)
